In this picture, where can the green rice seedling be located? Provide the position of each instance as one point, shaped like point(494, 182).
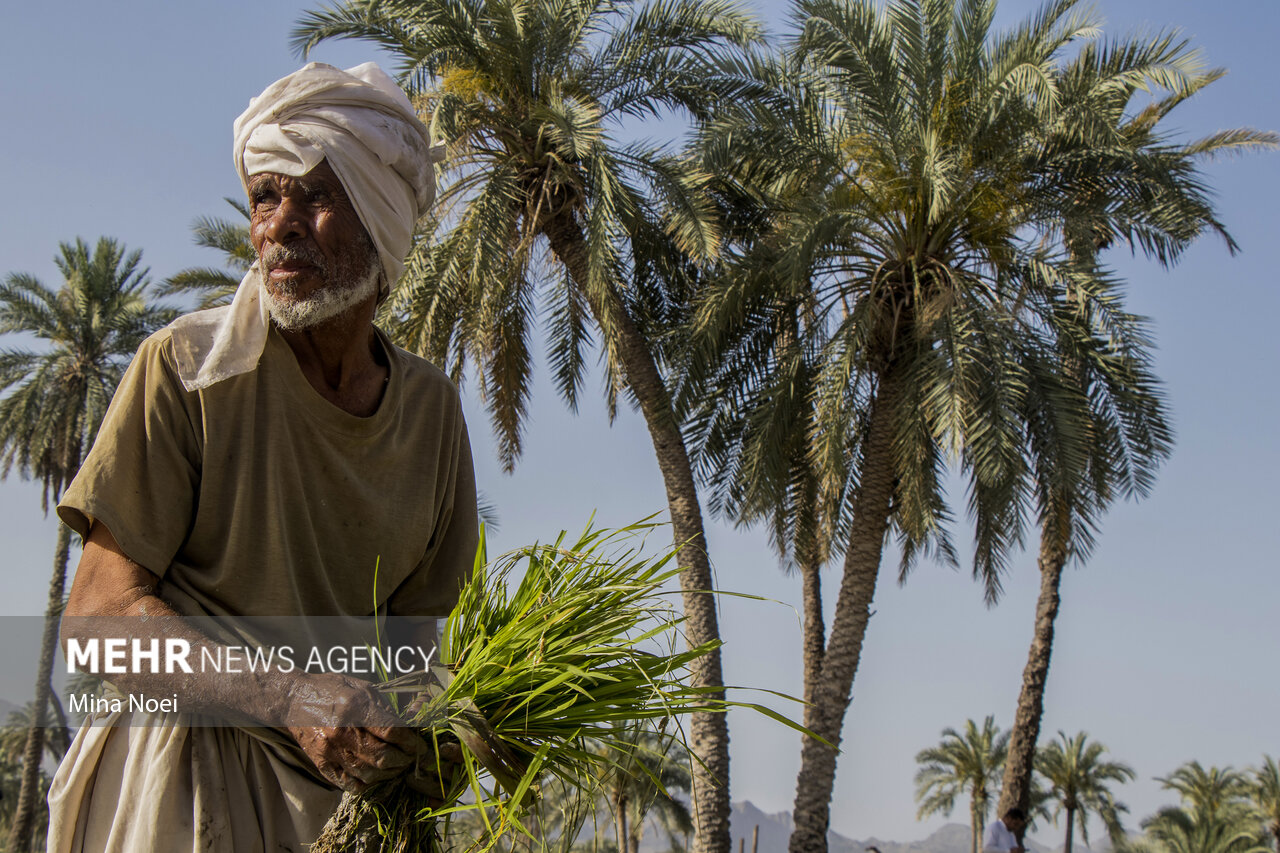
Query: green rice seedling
point(551, 657)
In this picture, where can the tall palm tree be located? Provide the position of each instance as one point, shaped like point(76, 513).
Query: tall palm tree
point(543, 205)
point(748, 394)
point(1078, 780)
point(967, 763)
point(913, 240)
point(57, 397)
point(1265, 792)
point(1148, 193)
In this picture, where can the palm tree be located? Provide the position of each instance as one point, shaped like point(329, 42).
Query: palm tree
point(57, 399)
point(1078, 777)
point(1265, 792)
point(1177, 830)
point(1212, 794)
point(913, 243)
point(214, 286)
point(542, 203)
point(10, 786)
point(13, 736)
point(641, 785)
point(748, 395)
point(897, 187)
point(1151, 198)
point(966, 763)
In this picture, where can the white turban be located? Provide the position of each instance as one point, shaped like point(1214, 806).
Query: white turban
point(363, 125)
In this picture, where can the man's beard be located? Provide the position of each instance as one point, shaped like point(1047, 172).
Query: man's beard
point(348, 282)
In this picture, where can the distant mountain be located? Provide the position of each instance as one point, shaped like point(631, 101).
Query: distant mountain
point(775, 831)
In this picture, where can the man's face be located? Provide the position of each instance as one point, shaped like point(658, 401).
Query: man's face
point(315, 257)
point(1014, 825)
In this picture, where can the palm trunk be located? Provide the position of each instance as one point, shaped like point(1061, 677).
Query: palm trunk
point(979, 822)
point(1016, 786)
point(872, 506)
point(636, 834)
point(24, 818)
point(806, 545)
point(708, 733)
point(814, 633)
point(974, 830)
point(1071, 818)
point(621, 828)
point(809, 562)
point(59, 731)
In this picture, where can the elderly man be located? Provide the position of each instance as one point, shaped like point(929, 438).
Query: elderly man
point(274, 472)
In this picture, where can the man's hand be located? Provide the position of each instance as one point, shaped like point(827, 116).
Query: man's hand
point(350, 733)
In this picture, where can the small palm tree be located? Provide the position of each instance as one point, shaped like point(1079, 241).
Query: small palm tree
point(1264, 788)
point(13, 737)
point(962, 764)
point(216, 287)
point(1212, 794)
point(1078, 779)
point(58, 396)
point(1178, 830)
point(642, 785)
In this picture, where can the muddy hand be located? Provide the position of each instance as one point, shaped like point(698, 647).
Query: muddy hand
point(348, 731)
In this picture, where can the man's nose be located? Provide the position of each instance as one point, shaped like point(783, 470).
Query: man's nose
point(285, 223)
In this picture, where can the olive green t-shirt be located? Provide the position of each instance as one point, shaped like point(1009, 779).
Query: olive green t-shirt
point(256, 499)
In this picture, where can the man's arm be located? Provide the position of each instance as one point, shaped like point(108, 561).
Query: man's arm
point(341, 723)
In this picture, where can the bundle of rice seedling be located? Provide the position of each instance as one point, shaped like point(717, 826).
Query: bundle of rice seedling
point(541, 670)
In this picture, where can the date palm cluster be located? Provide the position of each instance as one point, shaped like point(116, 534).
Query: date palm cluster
point(877, 257)
point(1222, 810)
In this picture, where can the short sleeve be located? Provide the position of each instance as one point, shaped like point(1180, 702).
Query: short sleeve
point(431, 591)
point(141, 477)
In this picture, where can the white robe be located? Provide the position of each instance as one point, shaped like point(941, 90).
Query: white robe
point(135, 782)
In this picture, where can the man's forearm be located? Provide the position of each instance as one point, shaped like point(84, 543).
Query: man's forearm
point(258, 695)
point(340, 722)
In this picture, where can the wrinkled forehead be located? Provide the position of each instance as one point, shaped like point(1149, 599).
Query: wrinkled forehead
point(321, 177)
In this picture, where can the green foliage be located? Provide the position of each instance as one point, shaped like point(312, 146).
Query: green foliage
point(1264, 790)
point(541, 205)
point(1179, 830)
point(913, 197)
point(641, 785)
point(962, 764)
point(1078, 778)
point(1210, 794)
point(13, 736)
point(10, 783)
point(213, 286)
point(56, 401)
point(91, 327)
point(1223, 810)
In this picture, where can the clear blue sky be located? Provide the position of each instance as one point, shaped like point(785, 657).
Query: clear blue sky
point(118, 122)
